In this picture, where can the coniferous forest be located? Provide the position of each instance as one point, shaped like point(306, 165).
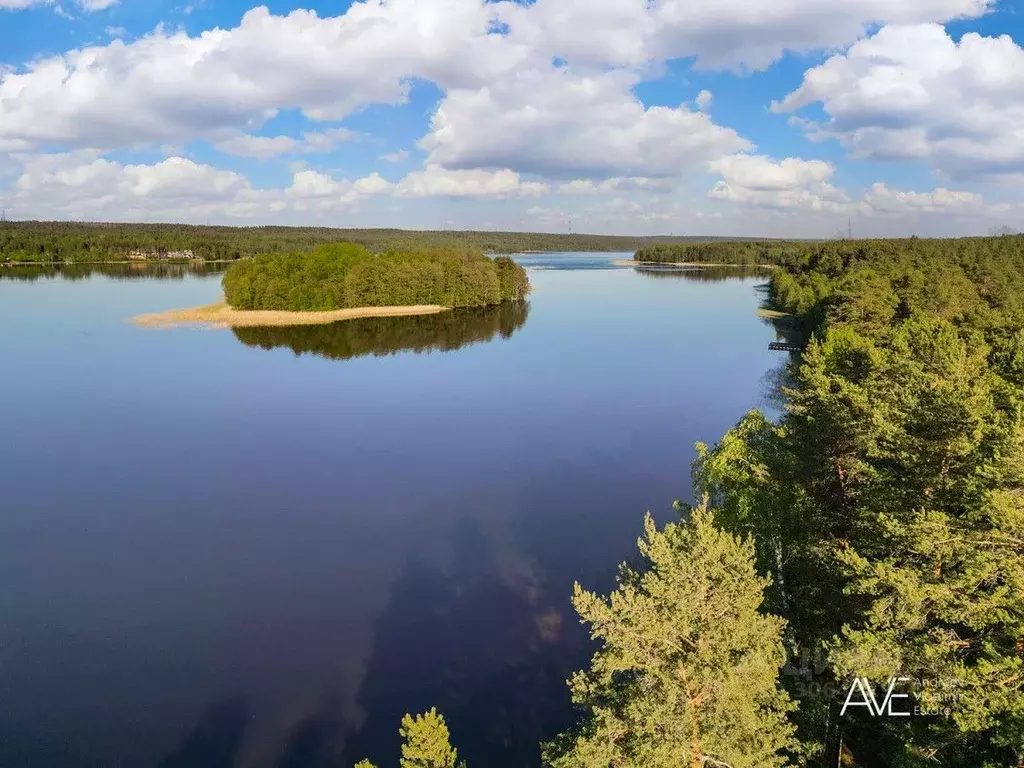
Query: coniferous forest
point(887, 504)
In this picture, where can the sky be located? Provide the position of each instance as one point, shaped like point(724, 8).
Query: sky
point(781, 118)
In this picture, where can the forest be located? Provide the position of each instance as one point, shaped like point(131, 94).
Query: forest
point(828, 253)
point(343, 275)
point(850, 591)
point(887, 504)
point(750, 253)
point(64, 242)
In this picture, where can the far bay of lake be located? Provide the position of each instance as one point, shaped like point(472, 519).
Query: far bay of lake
point(262, 547)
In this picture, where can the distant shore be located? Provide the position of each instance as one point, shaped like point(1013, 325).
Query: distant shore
point(108, 262)
point(632, 263)
point(221, 315)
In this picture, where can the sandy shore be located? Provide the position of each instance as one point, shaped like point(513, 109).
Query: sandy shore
point(632, 263)
point(220, 315)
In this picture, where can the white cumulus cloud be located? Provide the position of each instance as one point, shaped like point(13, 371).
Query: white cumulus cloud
point(913, 93)
point(168, 86)
point(730, 34)
point(727, 34)
point(436, 181)
point(264, 147)
point(82, 185)
point(882, 200)
point(790, 183)
point(564, 124)
point(615, 184)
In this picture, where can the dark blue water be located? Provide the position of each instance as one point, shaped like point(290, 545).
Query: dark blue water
point(263, 548)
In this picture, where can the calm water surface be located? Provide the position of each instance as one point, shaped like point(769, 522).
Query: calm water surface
point(262, 547)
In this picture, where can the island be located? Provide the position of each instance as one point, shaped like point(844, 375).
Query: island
point(763, 253)
point(343, 281)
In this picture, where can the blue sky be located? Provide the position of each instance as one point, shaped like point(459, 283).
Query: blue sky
point(789, 117)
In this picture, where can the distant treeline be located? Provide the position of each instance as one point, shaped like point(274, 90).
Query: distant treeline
point(719, 252)
point(343, 275)
point(382, 336)
point(831, 254)
point(35, 241)
point(971, 282)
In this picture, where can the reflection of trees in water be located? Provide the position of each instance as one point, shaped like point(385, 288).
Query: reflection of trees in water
point(379, 336)
point(772, 396)
point(126, 271)
point(702, 274)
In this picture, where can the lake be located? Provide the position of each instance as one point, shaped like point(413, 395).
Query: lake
point(262, 547)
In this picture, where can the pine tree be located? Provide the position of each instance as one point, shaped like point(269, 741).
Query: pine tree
point(894, 486)
point(937, 562)
point(687, 671)
point(426, 743)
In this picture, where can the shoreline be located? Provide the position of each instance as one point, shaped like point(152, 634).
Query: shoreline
point(633, 263)
point(140, 262)
point(221, 315)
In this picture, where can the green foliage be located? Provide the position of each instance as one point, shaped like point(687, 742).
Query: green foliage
point(686, 674)
point(888, 502)
point(427, 742)
point(340, 275)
